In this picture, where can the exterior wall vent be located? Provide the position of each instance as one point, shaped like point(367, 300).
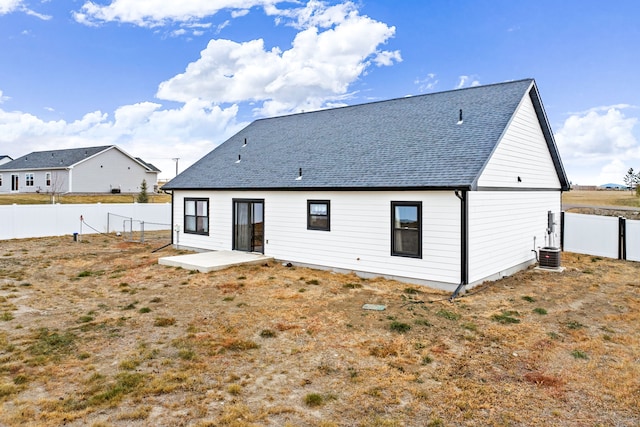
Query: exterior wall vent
point(549, 257)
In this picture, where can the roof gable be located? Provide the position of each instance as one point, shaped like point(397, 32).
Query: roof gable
point(66, 158)
point(413, 142)
point(54, 159)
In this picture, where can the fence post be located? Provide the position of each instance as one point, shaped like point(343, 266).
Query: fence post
point(141, 231)
point(622, 238)
point(562, 231)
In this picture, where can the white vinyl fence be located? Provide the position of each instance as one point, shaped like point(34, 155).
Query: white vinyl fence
point(601, 235)
point(22, 221)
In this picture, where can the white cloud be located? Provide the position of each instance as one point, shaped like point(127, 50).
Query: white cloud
point(153, 13)
point(3, 98)
point(144, 130)
point(318, 68)
point(334, 46)
point(10, 6)
point(467, 81)
point(428, 83)
point(599, 145)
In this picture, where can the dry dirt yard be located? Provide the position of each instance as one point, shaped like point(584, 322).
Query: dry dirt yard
point(97, 333)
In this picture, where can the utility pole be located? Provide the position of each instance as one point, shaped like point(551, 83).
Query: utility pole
point(175, 159)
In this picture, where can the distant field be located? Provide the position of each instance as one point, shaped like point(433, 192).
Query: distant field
point(601, 198)
point(41, 199)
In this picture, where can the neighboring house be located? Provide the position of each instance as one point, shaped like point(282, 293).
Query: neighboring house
point(447, 189)
point(5, 159)
point(77, 170)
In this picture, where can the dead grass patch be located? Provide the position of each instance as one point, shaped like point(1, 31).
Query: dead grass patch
point(171, 351)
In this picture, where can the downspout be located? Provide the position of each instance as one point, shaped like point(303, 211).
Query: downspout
point(464, 242)
point(171, 227)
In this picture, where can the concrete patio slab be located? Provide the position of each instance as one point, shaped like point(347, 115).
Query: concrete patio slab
point(205, 262)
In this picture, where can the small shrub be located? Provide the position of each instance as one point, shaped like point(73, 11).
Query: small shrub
point(156, 299)
point(399, 327)
point(242, 277)
point(469, 326)
point(313, 399)
point(129, 365)
point(528, 298)
point(6, 316)
point(48, 343)
point(234, 344)
point(131, 306)
point(352, 285)
point(186, 354)
point(506, 317)
point(267, 333)
point(228, 299)
point(85, 319)
point(85, 273)
point(448, 314)
point(426, 360)
point(574, 325)
point(234, 389)
point(422, 322)
point(540, 311)
point(144, 310)
point(314, 282)
point(578, 354)
point(164, 321)
point(20, 379)
point(411, 291)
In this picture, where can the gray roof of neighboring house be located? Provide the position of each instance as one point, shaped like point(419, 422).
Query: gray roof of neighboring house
point(148, 165)
point(59, 159)
point(53, 159)
point(412, 142)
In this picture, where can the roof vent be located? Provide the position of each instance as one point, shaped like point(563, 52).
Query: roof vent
point(460, 119)
point(245, 142)
point(299, 174)
point(239, 158)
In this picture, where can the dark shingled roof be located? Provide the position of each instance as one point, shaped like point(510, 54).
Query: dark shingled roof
point(53, 159)
point(59, 159)
point(412, 142)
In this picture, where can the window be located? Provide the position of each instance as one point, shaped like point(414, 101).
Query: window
point(196, 216)
point(318, 215)
point(28, 179)
point(0, 180)
point(47, 179)
point(406, 229)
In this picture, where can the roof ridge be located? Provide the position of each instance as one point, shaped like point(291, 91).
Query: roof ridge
point(397, 99)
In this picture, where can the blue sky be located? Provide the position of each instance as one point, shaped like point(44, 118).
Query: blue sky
point(165, 79)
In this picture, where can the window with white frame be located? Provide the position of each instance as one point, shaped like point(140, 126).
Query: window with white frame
point(47, 179)
point(28, 179)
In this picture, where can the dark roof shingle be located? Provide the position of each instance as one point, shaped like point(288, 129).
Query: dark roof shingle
point(412, 142)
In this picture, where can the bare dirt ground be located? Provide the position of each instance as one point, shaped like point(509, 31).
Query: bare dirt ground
point(97, 333)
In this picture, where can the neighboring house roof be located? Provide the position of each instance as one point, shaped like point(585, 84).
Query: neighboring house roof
point(61, 159)
point(3, 157)
point(148, 165)
point(412, 142)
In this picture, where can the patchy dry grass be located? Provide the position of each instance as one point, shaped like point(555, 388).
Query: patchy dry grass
point(244, 347)
point(43, 199)
point(601, 198)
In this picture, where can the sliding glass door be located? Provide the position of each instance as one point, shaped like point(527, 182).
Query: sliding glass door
point(248, 225)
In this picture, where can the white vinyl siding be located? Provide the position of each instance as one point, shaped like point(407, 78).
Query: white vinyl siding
point(108, 170)
point(502, 227)
point(523, 153)
point(360, 237)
